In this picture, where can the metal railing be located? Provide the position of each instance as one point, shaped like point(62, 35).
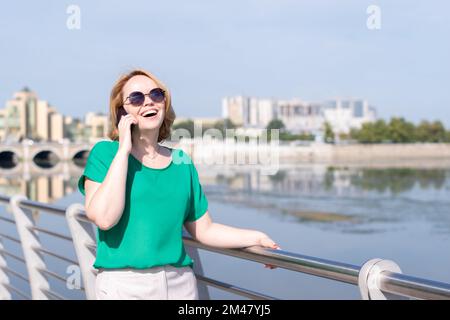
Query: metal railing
point(376, 279)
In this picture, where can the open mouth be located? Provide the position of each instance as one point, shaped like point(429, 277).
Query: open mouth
point(150, 114)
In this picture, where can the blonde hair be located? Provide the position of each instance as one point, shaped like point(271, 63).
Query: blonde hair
point(116, 101)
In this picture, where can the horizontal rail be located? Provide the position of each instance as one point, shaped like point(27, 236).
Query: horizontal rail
point(54, 294)
point(234, 289)
point(83, 217)
point(18, 275)
point(5, 236)
point(8, 220)
point(12, 255)
point(53, 274)
point(4, 199)
point(30, 204)
point(413, 287)
point(395, 283)
point(20, 293)
point(51, 233)
point(315, 266)
point(92, 248)
point(56, 255)
point(56, 276)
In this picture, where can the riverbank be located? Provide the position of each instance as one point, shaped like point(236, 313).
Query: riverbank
point(395, 154)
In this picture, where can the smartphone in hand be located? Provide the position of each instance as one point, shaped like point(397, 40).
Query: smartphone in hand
point(121, 112)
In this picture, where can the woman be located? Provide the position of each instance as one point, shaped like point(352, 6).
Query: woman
point(140, 194)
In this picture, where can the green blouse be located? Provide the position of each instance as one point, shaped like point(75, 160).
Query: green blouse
point(157, 203)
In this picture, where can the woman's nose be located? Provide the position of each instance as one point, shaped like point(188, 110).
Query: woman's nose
point(148, 101)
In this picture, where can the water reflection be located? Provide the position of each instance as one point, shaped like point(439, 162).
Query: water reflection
point(41, 180)
point(350, 199)
point(398, 180)
point(320, 180)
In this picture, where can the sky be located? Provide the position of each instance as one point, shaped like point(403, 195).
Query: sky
point(205, 50)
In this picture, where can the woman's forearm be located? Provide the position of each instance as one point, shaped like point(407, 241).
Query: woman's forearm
point(223, 236)
point(108, 202)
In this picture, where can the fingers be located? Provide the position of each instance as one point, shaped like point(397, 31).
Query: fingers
point(273, 245)
point(269, 243)
point(127, 119)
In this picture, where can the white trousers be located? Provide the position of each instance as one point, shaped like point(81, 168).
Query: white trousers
point(157, 283)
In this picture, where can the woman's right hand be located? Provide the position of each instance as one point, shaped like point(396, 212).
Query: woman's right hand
point(124, 127)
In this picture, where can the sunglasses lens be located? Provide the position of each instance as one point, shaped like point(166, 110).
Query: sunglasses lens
point(157, 94)
point(137, 98)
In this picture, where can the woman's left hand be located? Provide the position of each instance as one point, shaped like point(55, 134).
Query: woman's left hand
point(266, 242)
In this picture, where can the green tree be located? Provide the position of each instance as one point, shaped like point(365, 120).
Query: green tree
point(329, 133)
point(276, 124)
point(371, 132)
point(447, 136)
point(279, 125)
point(422, 131)
point(437, 132)
point(430, 132)
point(401, 131)
point(305, 136)
point(224, 124)
point(188, 125)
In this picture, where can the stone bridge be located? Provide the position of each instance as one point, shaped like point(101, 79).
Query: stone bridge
point(14, 156)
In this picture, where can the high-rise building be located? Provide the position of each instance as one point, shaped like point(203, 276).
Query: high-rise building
point(56, 127)
point(300, 116)
point(20, 116)
point(27, 117)
point(297, 115)
point(344, 114)
point(236, 109)
point(248, 112)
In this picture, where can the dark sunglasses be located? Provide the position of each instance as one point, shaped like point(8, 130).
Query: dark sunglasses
point(137, 98)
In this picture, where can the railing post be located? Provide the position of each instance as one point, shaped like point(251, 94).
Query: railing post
point(83, 237)
point(30, 245)
point(369, 277)
point(4, 279)
point(203, 292)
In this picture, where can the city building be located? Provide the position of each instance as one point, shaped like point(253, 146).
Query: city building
point(249, 112)
point(96, 126)
point(299, 116)
point(346, 114)
point(27, 117)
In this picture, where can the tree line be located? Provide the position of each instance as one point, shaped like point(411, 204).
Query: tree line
point(396, 130)
point(399, 130)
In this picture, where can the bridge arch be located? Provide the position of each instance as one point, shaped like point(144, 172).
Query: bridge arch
point(9, 158)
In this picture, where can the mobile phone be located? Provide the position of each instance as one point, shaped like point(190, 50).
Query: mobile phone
point(121, 112)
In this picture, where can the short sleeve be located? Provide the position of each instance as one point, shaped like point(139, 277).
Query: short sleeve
point(97, 164)
point(199, 202)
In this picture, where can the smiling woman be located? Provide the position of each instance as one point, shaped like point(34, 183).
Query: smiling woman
point(140, 194)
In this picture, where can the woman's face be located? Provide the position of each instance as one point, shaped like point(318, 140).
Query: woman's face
point(144, 84)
